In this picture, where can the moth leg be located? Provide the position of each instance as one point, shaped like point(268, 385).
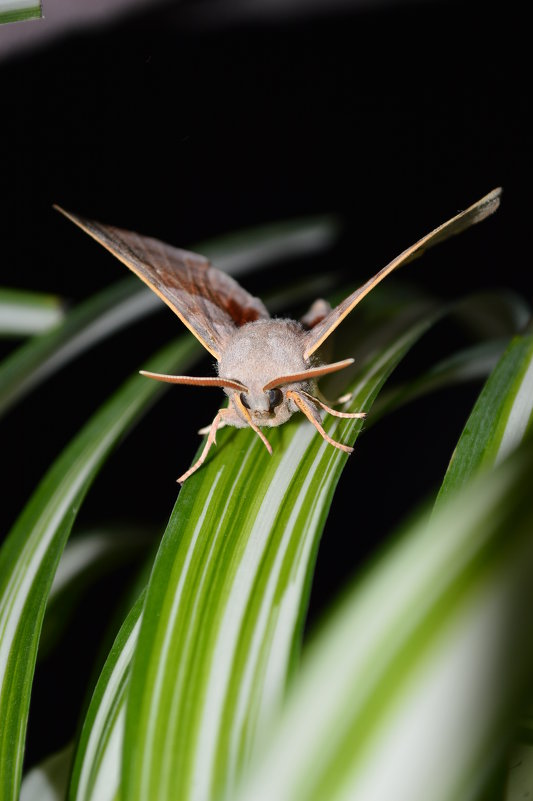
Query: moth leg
point(312, 415)
point(206, 429)
point(211, 440)
point(342, 399)
point(329, 410)
point(248, 418)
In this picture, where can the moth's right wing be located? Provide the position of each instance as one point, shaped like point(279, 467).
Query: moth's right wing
point(209, 302)
point(474, 214)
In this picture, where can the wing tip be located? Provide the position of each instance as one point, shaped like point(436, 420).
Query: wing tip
point(60, 209)
point(488, 204)
point(75, 218)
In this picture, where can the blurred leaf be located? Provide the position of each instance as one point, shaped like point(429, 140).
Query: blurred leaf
point(415, 680)
point(228, 595)
point(49, 780)
point(29, 10)
point(86, 558)
point(469, 364)
point(495, 314)
point(261, 246)
point(500, 419)
point(494, 317)
point(23, 313)
point(520, 779)
point(82, 328)
point(96, 773)
point(29, 556)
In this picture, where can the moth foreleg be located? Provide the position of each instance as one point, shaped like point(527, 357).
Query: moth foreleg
point(329, 410)
point(312, 415)
point(247, 416)
point(342, 399)
point(206, 429)
point(220, 420)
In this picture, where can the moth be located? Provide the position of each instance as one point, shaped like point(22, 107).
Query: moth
point(266, 366)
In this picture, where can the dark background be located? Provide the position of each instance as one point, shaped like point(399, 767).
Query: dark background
point(393, 116)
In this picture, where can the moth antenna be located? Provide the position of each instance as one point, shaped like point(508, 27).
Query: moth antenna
point(211, 440)
point(208, 381)
point(312, 372)
point(329, 410)
point(252, 425)
point(304, 407)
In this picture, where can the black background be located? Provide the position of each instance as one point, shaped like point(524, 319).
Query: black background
point(393, 117)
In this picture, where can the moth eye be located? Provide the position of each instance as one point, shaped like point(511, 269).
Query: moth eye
point(244, 400)
point(275, 396)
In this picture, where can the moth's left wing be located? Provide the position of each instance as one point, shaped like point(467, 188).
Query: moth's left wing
point(208, 301)
point(474, 214)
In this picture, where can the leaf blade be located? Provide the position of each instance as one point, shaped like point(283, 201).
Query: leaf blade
point(96, 771)
point(428, 620)
point(30, 554)
point(196, 612)
point(416, 631)
point(23, 313)
point(501, 417)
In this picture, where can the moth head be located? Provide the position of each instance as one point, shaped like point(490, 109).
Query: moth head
point(267, 357)
point(257, 353)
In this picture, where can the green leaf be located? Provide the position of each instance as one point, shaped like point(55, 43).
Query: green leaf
point(500, 419)
point(412, 686)
point(96, 773)
point(30, 10)
point(495, 317)
point(104, 705)
point(29, 556)
point(227, 598)
point(23, 313)
point(416, 679)
point(519, 785)
point(468, 364)
point(82, 328)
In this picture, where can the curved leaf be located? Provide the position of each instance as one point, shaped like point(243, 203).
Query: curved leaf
point(85, 559)
point(519, 785)
point(19, 11)
point(23, 313)
point(416, 678)
point(227, 599)
point(96, 773)
point(82, 328)
point(500, 419)
point(468, 364)
point(262, 245)
point(29, 556)
point(48, 781)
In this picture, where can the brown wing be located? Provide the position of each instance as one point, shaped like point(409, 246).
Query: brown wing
point(209, 302)
point(474, 214)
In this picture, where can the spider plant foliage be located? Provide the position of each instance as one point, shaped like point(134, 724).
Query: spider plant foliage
point(205, 694)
